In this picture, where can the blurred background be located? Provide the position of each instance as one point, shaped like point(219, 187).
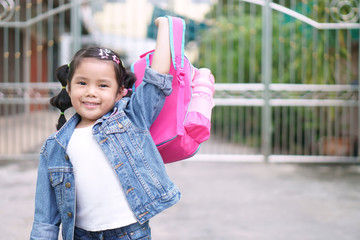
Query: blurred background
point(286, 71)
point(287, 91)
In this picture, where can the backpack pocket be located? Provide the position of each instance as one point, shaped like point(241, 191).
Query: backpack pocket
point(197, 123)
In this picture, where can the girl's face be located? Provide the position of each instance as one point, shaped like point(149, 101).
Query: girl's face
point(93, 90)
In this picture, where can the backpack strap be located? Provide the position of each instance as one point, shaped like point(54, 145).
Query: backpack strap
point(177, 29)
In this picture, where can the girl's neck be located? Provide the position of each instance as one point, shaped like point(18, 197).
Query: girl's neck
point(83, 124)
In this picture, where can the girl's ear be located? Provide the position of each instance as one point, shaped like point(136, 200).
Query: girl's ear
point(120, 94)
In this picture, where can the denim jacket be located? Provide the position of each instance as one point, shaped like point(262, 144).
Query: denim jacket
point(123, 134)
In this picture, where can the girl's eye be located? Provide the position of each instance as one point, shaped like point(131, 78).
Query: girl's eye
point(82, 83)
point(103, 85)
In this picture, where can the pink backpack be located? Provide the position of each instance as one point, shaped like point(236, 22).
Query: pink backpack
point(184, 121)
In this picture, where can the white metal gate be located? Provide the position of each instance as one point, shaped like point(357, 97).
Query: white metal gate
point(287, 71)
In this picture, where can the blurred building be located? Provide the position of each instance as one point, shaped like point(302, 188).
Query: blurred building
point(128, 26)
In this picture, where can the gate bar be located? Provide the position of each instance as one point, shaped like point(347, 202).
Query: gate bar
point(266, 78)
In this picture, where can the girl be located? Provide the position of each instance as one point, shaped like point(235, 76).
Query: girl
point(100, 175)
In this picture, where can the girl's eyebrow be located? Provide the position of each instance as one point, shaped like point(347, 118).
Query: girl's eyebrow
point(103, 80)
point(77, 77)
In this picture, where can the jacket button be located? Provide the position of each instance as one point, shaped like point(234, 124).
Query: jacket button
point(69, 214)
point(67, 185)
point(120, 125)
point(66, 157)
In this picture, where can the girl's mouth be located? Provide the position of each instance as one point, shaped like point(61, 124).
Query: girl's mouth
point(90, 104)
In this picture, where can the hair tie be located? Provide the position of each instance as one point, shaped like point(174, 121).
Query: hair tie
point(63, 87)
point(125, 91)
point(68, 65)
point(61, 113)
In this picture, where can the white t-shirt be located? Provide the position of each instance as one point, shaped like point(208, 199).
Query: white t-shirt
point(100, 200)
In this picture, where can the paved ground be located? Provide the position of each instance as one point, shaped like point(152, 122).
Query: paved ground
point(225, 201)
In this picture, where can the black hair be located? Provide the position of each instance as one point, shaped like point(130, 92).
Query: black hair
point(124, 77)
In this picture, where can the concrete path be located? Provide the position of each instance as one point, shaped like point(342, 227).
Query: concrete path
point(225, 201)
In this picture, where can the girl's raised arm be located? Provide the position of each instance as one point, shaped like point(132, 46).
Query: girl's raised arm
point(161, 58)
point(157, 82)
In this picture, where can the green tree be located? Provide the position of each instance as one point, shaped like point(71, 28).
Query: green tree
point(233, 43)
point(232, 48)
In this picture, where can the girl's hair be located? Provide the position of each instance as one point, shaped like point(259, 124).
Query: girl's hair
point(65, 73)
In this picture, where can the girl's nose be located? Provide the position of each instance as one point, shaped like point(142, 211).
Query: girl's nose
point(90, 92)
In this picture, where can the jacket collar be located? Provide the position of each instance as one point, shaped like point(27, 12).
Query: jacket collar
point(64, 134)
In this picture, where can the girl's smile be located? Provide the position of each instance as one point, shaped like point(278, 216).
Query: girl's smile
point(93, 90)
point(90, 105)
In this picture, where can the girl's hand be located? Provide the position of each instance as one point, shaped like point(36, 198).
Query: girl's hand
point(160, 19)
point(161, 58)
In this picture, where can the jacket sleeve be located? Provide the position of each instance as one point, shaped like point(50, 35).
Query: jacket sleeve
point(46, 218)
point(150, 95)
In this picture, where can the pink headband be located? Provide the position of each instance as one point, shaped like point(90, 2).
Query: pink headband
point(104, 53)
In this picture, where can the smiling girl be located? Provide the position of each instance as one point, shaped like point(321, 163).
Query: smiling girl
point(100, 175)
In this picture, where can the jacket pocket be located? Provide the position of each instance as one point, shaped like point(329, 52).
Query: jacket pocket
point(56, 180)
point(130, 138)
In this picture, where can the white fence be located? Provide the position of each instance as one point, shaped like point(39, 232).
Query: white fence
point(287, 72)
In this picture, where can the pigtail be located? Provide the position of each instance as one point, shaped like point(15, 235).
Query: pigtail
point(129, 81)
point(62, 101)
